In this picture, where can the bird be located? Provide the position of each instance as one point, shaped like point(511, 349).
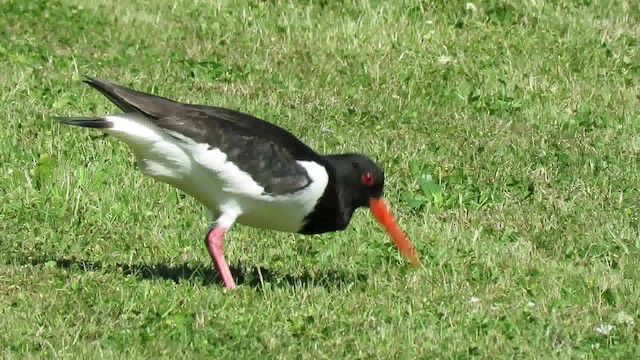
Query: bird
point(243, 169)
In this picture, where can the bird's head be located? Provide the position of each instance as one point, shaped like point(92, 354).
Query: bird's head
point(362, 181)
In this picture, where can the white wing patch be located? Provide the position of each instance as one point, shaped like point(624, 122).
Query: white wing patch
point(233, 179)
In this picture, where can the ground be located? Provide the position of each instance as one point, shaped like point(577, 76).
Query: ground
point(508, 130)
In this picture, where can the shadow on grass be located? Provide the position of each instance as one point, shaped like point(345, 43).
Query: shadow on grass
point(256, 277)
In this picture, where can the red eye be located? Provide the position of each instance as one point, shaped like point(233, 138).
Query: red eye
point(367, 179)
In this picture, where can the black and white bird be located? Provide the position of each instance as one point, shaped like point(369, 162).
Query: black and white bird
point(242, 169)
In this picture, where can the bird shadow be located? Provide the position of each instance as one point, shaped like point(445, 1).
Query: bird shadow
point(256, 277)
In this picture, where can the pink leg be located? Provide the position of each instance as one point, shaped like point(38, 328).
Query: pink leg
point(214, 241)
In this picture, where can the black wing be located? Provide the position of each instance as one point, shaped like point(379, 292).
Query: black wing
point(263, 150)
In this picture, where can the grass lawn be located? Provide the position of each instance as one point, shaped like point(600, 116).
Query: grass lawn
point(509, 131)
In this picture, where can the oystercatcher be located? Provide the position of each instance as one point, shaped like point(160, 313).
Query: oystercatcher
point(243, 169)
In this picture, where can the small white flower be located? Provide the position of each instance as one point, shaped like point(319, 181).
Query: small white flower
point(605, 329)
point(470, 7)
point(429, 22)
point(624, 318)
point(326, 130)
point(474, 299)
point(445, 59)
point(531, 304)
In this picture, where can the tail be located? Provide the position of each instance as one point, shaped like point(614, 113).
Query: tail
point(90, 122)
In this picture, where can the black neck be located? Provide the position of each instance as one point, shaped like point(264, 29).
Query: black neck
point(335, 208)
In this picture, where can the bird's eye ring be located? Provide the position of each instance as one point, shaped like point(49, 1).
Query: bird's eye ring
point(367, 179)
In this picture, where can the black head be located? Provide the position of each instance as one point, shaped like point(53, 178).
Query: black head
point(359, 178)
point(360, 182)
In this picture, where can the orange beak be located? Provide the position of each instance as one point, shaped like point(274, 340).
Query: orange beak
point(380, 211)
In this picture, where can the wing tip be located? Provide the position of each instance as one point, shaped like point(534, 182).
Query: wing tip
point(93, 80)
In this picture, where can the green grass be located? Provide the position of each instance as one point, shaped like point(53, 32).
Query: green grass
point(509, 136)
